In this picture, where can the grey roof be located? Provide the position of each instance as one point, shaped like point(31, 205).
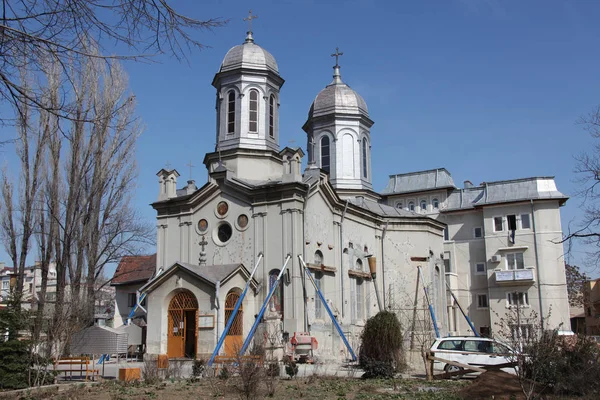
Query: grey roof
point(211, 273)
point(431, 179)
point(249, 55)
point(382, 209)
point(337, 97)
point(535, 188)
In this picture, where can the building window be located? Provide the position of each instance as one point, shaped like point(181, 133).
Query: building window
point(480, 269)
point(253, 120)
point(131, 299)
point(276, 302)
point(399, 205)
point(231, 112)
point(514, 299)
point(435, 203)
point(511, 221)
point(325, 153)
point(447, 267)
point(359, 265)
point(5, 284)
point(514, 261)
point(482, 301)
point(498, 225)
point(525, 221)
point(446, 234)
point(411, 206)
point(272, 116)
point(478, 232)
point(224, 232)
point(318, 260)
point(521, 332)
point(359, 299)
point(318, 303)
point(364, 157)
point(423, 205)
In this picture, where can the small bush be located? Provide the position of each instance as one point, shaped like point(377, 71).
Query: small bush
point(291, 368)
point(381, 350)
point(198, 368)
point(150, 372)
point(224, 374)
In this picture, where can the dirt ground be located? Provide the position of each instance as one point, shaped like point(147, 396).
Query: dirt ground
point(490, 385)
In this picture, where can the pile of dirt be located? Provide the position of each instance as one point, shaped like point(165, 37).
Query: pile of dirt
point(499, 384)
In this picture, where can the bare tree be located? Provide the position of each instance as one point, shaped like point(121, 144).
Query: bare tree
point(33, 31)
point(587, 169)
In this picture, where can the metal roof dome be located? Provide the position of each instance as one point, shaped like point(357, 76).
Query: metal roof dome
point(338, 97)
point(249, 55)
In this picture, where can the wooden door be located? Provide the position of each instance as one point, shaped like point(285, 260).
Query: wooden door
point(182, 326)
point(234, 337)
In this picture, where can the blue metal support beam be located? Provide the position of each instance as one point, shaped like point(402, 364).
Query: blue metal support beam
point(335, 323)
point(433, 320)
point(264, 307)
point(234, 313)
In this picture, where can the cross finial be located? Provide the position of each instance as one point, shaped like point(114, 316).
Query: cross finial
point(168, 165)
point(191, 166)
point(249, 18)
point(337, 55)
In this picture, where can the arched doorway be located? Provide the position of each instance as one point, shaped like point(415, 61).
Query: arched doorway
point(182, 334)
point(233, 340)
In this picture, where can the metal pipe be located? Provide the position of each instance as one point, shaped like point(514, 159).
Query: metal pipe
point(335, 323)
point(431, 312)
point(537, 264)
point(342, 254)
point(264, 307)
point(234, 313)
point(462, 311)
point(383, 260)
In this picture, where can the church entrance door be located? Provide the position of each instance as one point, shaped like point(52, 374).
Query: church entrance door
point(233, 340)
point(182, 335)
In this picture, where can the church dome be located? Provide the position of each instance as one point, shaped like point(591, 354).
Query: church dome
point(249, 55)
point(338, 97)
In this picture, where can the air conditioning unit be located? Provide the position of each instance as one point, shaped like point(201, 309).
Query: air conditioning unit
point(496, 258)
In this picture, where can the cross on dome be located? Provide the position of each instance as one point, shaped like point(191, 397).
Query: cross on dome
point(249, 18)
point(337, 78)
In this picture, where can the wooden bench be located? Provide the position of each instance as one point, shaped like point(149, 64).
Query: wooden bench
point(76, 364)
point(222, 361)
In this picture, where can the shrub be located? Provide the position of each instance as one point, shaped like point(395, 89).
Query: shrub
point(381, 351)
point(198, 368)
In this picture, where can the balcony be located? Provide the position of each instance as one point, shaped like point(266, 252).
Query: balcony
point(515, 277)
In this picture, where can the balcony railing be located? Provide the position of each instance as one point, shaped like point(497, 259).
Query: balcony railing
point(515, 277)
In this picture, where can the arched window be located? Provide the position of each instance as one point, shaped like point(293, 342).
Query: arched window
point(276, 302)
point(253, 120)
point(318, 303)
point(359, 265)
point(411, 206)
point(399, 205)
point(318, 258)
point(231, 112)
point(272, 116)
point(435, 203)
point(364, 158)
point(423, 205)
point(325, 153)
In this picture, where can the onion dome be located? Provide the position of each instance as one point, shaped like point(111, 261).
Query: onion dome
point(249, 55)
point(338, 98)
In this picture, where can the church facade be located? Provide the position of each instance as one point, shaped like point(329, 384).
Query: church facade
point(259, 208)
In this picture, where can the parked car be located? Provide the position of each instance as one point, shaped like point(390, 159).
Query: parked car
point(471, 350)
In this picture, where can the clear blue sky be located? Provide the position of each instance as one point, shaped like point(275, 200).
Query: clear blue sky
point(488, 89)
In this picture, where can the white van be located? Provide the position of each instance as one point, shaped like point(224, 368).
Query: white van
point(471, 350)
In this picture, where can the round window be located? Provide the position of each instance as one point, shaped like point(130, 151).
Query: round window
point(242, 221)
point(222, 208)
point(202, 225)
point(224, 232)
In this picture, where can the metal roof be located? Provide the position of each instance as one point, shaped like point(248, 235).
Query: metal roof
point(419, 181)
point(382, 209)
point(535, 188)
point(338, 97)
point(249, 55)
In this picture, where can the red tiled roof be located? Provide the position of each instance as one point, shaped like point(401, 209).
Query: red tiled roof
point(134, 269)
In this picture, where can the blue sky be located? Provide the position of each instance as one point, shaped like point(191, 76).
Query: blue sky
point(488, 89)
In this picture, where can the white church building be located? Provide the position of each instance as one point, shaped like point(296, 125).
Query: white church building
point(491, 243)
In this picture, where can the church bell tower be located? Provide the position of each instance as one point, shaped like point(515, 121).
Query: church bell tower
point(247, 104)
